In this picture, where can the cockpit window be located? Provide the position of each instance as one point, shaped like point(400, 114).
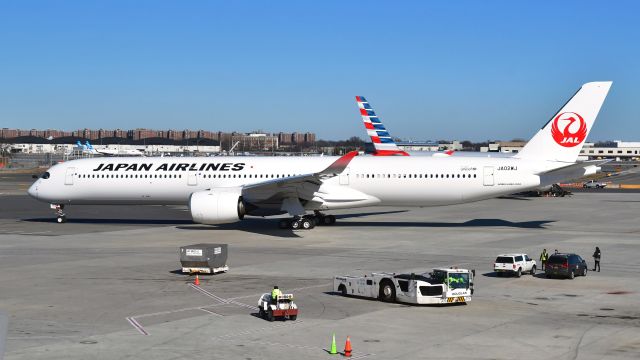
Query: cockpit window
point(45, 175)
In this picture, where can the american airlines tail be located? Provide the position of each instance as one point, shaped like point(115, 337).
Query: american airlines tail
point(381, 139)
point(562, 137)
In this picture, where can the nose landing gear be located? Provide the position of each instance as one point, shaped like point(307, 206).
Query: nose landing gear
point(61, 216)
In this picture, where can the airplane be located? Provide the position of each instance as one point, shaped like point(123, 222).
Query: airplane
point(384, 144)
point(224, 190)
point(110, 151)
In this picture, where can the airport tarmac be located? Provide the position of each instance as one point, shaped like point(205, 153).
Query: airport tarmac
point(105, 285)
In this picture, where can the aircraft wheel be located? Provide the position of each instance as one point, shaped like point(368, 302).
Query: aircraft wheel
point(61, 219)
point(329, 220)
point(307, 224)
point(296, 224)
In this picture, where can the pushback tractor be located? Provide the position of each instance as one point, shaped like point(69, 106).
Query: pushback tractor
point(441, 286)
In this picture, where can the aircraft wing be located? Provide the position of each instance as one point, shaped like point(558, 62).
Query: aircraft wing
point(286, 193)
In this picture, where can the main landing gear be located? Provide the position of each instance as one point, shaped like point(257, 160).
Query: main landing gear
point(307, 222)
point(61, 216)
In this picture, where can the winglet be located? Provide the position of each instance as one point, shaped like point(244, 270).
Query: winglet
point(339, 165)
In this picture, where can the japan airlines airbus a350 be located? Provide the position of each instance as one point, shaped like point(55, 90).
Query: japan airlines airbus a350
point(221, 191)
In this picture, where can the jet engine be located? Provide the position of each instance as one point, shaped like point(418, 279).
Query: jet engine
point(217, 206)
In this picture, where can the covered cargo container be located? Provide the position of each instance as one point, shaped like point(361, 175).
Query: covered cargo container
point(204, 258)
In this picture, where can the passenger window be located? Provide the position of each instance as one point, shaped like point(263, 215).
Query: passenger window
point(518, 258)
point(369, 282)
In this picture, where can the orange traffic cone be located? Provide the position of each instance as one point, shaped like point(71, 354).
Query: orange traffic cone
point(347, 348)
point(197, 280)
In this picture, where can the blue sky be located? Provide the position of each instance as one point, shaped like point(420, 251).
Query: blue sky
point(432, 70)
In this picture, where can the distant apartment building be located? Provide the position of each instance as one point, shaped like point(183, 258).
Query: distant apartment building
point(118, 133)
point(297, 138)
point(258, 141)
point(206, 134)
point(255, 142)
point(175, 135)
point(284, 138)
point(309, 138)
point(141, 134)
point(7, 133)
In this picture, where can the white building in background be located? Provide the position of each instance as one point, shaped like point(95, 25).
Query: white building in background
point(622, 151)
point(428, 146)
point(504, 147)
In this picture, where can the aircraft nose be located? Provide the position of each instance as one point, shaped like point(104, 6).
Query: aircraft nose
point(33, 191)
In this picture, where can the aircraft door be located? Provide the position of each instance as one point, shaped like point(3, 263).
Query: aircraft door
point(488, 176)
point(192, 179)
point(68, 177)
point(344, 177)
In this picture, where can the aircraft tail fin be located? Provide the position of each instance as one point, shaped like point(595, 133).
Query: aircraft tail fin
point(89, 146)
point(562, 137)
point(380, 137)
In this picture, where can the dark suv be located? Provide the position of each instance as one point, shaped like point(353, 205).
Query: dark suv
point(565, 265)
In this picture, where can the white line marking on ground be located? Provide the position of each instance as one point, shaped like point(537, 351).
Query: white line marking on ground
point(218, 298)
point(210, 312)
point(137, 325)
point(219, 304)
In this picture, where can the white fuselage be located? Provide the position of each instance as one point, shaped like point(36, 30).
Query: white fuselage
point(367, 181)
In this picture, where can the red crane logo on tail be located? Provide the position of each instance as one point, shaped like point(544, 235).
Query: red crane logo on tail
point(568, 129)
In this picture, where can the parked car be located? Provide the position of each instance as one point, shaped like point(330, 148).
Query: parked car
point(514, 264)
point(592, 184)
point(566, 265)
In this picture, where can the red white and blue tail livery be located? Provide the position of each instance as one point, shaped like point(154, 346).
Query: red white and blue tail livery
point(380, 137)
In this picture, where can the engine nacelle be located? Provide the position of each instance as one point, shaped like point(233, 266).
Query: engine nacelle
point(217, 206)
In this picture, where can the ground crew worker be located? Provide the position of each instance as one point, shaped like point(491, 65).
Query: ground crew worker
point(544, 256)
point(275, 293)
point(596, 259)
